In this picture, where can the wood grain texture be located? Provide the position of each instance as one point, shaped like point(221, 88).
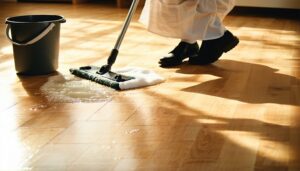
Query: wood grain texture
point(241, 113)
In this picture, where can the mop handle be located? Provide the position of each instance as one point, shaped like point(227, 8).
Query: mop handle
point(114, 53)
point(126, 24)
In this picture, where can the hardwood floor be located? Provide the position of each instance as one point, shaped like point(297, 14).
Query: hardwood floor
point(242, 113)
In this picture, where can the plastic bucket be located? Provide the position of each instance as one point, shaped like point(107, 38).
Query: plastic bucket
point(35, 40)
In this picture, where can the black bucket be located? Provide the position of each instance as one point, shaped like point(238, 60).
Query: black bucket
point(35, 40)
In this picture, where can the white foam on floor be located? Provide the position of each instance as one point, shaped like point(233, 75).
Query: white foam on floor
point(71, 89)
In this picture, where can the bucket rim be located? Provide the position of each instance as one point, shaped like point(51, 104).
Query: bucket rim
point(12, 20)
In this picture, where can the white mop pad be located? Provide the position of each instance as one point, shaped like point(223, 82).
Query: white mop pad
point(142, 76)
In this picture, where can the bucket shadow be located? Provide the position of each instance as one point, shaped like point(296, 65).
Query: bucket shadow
point(246, 82)
point(32, 84)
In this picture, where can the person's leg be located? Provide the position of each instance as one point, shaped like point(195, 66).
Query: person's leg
point(212, 48)
point(206, 25)
point(186, 47)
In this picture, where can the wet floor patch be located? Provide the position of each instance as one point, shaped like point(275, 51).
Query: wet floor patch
point(71, 89)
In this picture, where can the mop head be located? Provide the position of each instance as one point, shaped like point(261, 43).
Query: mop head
point(131, 77)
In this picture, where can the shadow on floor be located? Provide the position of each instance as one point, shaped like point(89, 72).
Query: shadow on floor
point(246, 82)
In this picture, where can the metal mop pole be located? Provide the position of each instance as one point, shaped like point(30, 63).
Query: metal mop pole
point(114, 53)
point(127, 22)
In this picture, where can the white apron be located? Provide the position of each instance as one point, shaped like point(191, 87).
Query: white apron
point(186, 19)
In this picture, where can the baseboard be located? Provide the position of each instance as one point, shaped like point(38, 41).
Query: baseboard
point(292, 4)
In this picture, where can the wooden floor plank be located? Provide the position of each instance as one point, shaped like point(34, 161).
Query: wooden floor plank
point(241, 113)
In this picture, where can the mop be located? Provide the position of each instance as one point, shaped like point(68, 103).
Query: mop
point(122, 79)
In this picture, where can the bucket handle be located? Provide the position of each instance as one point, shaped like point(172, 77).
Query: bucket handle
point(34, 40)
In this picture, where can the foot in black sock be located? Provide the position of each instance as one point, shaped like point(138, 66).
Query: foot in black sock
point(211, 50)
point(182, 50)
